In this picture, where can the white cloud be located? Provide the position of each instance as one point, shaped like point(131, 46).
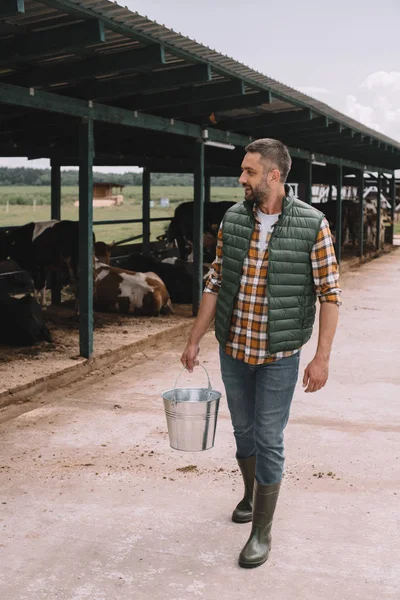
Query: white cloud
point(383, 79)
point(360, 112)
point(379, 104)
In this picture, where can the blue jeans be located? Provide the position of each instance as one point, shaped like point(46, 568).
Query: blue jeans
point(259, 399)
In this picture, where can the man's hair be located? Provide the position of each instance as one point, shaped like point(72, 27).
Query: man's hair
point(275, 152)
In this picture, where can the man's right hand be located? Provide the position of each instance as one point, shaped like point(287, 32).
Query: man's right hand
point(189, 356)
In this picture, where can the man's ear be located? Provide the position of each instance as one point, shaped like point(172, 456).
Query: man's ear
point(275, 175)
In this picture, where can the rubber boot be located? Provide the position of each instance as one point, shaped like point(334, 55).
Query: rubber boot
point(256, 550)
point(243, 513)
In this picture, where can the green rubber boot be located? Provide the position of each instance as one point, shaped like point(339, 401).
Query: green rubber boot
point(256, 551)
point(243, 513)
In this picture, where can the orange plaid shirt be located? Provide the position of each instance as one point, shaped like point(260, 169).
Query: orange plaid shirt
point(247, 339)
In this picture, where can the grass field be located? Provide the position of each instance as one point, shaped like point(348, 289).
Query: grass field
point(38, 208)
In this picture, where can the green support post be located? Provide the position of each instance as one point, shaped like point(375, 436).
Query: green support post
point(55, 284)
point(393, 203)
point(146, 210)
point(308, 182)
point(198, 227)
point(338, 243)
point(207, 188)
point(86, 153)
point(361, 213)
point(378, 211)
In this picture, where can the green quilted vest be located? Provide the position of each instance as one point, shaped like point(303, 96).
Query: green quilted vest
point(290, 284)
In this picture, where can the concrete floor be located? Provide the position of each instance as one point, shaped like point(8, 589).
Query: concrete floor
point(95, 505)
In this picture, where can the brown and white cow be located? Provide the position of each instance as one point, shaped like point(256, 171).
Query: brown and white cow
point(127, 292)
point(103, 251)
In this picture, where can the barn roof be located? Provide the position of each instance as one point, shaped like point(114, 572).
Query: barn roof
point(80, 57)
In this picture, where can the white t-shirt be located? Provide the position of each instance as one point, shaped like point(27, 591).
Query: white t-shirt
point(267, 223)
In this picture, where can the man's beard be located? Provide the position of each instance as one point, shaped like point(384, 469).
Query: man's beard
point(259, 195)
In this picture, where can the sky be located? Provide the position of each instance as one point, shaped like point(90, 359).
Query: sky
point(345, 53)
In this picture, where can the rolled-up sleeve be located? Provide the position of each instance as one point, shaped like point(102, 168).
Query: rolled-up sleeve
point(325, 267)
point(213, 282)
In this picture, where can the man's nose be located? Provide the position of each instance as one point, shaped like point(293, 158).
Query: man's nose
point(243, 178)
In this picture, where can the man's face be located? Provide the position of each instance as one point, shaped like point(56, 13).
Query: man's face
point(257, 178)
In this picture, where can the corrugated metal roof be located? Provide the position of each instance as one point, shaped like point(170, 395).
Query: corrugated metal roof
point(227, 64)
point(125, 31)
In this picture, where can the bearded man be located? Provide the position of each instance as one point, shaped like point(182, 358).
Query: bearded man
point(274, 257)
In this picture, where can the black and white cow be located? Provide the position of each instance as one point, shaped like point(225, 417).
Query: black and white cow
point(42, 247)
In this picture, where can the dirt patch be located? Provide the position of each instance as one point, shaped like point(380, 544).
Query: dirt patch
point(20, 366)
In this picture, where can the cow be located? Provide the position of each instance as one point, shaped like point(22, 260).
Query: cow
point(180, 229)
point(178, 281)
point(127, 292)
point(22, 322)
point(13, 279)
point(46, 246)
point(103, 251)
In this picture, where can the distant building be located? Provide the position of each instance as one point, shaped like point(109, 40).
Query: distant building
point(106, 194)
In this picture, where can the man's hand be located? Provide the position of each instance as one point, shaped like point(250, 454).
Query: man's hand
point(315, 375)
point(189, 356)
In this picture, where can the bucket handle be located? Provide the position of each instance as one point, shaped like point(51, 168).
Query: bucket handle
point(184, 368)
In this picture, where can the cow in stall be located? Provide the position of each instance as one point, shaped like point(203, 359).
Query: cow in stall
point(127, 292)
point(351, 221)
point(180, 230)
point(22, 322)
point(176, 274)
point(45, 246)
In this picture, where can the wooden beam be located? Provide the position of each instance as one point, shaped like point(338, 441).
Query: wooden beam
point(53, 41)
point(361, 212)
point(378, 212)
point(10, 8)
point(198, 228)
point(198, 93)
point(55, 284)
point(136, 61)
point(86, 152)
point(146, 210)
point(338, 243)
point(216, 106)
point(161, 80)
point(305, 127)
point(270, 119)
point(392, 188)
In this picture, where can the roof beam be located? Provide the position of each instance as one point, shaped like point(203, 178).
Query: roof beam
point(10, 8)
point(139, 60)
point(289, 116)
point(217, 105)
point(37, 99)
point(52, 41)
point(320, 123)
point(159, 80)
point(198, 93)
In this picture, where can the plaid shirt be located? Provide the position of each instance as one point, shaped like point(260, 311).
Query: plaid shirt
point(249, 324)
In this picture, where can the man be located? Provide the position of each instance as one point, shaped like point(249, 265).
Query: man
point(274, 257)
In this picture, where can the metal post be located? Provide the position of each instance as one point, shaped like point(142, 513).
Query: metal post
point(146, 210)
point(308, 182)
point(55, 284)
point(198, 227)
point(393, 203)
point(338, 243)
point(207, 188)
point(86, 153)
point(378, 211)
point(361, 212)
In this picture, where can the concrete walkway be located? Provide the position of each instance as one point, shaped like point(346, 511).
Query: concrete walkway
point(94, 505)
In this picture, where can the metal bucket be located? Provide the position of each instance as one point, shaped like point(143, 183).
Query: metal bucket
point(191, 416)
